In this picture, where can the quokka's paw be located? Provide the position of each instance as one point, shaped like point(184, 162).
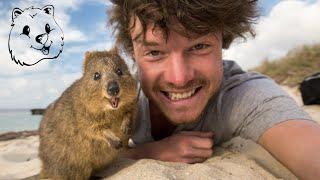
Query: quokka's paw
point(125, 129)
point(112, 140)
point(126, 126)
point(114, 143)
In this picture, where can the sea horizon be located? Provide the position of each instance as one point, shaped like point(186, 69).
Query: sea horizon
point(18, 109)
point(18, 119)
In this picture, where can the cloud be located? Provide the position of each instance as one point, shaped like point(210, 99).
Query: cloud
point(32, 91)
point(89, 47)
point(289, 24)
point(106, 2)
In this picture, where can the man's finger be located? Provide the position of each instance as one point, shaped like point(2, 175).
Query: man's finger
point(201, 142)
point(202, 153)
point(197, 153)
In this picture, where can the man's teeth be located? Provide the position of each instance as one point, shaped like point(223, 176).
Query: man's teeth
point(179, 96)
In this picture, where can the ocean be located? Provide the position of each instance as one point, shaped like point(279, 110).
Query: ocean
point(18, 120)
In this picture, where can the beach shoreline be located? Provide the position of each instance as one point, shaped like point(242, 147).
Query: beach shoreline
point(237, 158)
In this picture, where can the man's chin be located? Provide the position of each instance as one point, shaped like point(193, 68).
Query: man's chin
point(179, 119)
point(180, 115)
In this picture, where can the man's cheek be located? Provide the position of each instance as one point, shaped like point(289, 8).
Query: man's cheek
point(144, 78)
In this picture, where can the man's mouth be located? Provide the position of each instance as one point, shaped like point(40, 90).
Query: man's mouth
point(177, 96)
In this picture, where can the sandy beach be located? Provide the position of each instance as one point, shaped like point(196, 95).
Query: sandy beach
point(19, 158)
point(235, 159)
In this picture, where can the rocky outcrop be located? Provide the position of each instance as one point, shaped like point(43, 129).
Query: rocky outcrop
point(15, 135)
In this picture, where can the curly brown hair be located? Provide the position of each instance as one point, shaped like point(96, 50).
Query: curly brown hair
point(234, 18)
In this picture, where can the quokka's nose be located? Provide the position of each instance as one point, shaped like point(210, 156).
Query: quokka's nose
point(113, 88)
point(40, 38)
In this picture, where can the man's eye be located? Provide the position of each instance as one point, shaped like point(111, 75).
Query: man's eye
point(199, 46)
point(153, 53)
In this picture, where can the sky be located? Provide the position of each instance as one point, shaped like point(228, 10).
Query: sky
point(283, 25)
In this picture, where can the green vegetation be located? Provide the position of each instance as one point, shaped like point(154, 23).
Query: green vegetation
point(294, 67)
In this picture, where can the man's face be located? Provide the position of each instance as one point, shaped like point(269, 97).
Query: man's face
point(179, 75)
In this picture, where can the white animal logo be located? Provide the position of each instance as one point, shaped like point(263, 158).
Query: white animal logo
point(34, 36)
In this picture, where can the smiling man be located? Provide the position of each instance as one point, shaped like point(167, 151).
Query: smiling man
point(181, 91)
point(191, 99)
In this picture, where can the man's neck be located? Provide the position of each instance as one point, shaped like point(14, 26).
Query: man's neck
point(160, 125)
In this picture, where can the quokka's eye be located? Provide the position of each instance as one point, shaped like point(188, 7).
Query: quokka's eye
point(96, 76)
point(47, 28)
point(26, 30)
point(119, 72)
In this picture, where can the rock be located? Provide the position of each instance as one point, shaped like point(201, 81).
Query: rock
point(15, 135)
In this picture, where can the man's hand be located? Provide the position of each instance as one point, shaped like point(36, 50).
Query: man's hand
point(186, 146)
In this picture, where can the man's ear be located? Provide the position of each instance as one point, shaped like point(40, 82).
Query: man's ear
point(48, 9)
point(86, 62)
point(133, 57)
point(16, 12)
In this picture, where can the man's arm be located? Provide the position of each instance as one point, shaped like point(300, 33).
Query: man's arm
point(295, 143)
point(186, 146)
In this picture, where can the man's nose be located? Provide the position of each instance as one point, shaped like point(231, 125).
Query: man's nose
point(179, 71)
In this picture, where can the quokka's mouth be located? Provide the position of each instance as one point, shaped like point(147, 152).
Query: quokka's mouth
point(45, 49)
point(114, 102)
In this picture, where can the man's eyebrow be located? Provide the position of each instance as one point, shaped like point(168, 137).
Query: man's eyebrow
point(150, 43)
point(146, 43)
point(198, 39)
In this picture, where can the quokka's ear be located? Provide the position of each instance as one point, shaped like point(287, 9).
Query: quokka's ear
point(48, 9)
point(86, 62)
point(16, 12)
point(114, 50)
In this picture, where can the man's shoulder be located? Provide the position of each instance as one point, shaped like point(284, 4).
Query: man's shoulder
point(246, 89)
point(249, 103)
point(236, 77)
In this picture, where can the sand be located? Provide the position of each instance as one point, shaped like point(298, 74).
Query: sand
point(224, 165)
point(313, 110)
point(235, 159)
point(19, 158)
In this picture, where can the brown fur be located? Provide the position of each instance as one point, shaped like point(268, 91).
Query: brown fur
point(80, 133)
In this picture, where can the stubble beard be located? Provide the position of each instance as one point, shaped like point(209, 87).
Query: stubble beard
point(184, 112)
